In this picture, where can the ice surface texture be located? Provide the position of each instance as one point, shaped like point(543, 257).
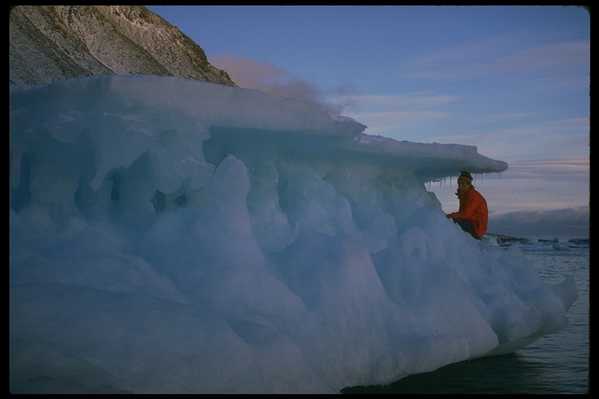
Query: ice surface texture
point(178, 236)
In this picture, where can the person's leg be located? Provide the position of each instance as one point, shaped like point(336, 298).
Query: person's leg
point(467, 226)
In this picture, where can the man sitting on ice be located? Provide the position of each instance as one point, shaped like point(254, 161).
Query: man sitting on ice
point(473, 214)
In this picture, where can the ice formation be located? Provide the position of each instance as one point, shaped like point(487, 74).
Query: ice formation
point(178, 236)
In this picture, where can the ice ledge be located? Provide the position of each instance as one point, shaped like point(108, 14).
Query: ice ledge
point(430, 160)
point(251, 115)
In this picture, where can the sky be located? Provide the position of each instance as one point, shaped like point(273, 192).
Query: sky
point(512, 80)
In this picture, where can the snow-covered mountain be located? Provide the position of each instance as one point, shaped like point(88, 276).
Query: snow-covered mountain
point(49, 43)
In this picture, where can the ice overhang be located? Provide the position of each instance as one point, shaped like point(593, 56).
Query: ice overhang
point(427, 161)
point(239, 118)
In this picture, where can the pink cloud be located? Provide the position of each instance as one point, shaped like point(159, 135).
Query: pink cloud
point(248, 73)
point(569, 60)
point(266, 77)
point(560, 56)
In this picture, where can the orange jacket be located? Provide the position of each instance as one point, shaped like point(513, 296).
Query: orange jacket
point(473, 208)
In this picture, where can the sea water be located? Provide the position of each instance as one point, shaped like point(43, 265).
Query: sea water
point(556, 363)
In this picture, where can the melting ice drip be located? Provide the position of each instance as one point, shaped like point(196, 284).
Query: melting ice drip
point(178, 236)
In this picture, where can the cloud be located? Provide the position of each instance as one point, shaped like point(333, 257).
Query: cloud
point(555, 165)
point(562, 223)
point(266, 77)
point(567, 62)
point(540, 185)
point(550, 171)
point(460, 61)
point(399, 102)
point(391, 123)
point(529, 185)
point(388, 114)
point(556, 56)
point(506, 117)
point(563, 138)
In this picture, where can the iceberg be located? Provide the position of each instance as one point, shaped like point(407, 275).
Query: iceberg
point(176, 236)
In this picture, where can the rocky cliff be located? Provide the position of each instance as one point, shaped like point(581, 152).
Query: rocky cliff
point(49, 43)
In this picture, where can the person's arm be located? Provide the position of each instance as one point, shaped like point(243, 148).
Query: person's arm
point(467, 212)
point(453, 214)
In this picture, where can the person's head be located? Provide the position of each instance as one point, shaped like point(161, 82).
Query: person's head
point(464, 181)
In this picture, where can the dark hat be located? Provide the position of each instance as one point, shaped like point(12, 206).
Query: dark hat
point(466, 174)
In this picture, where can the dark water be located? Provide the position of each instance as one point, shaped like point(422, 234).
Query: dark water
point(556, 363)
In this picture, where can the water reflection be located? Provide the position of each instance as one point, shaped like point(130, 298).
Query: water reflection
point(509, 373)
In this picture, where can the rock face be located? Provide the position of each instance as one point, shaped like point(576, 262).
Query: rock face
point(49, 43)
